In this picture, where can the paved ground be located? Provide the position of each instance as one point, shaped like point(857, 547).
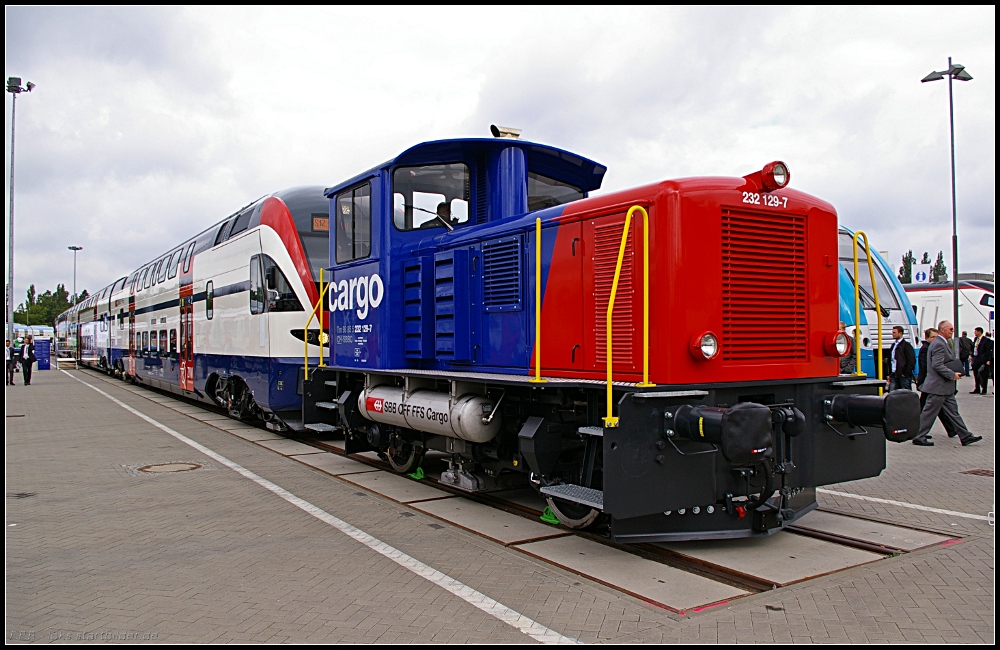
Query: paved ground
point(96, 550)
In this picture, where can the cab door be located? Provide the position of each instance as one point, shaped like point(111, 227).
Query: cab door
point(185, 355)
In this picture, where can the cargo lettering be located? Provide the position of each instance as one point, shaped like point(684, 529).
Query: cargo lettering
point(358, 294)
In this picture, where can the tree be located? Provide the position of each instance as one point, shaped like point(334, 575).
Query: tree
point(906, 270)
point(926, 259)
point(939, 272)
point(42, 309)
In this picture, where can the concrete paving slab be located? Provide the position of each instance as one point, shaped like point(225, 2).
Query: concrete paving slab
point(333, 464)
point(527, 498)
point(782, 558)
point(287, 447)
point(904, 539)
point(645, 579)
point(208, 416)
point(489, 522)
point(253, 434)
point(397, 488)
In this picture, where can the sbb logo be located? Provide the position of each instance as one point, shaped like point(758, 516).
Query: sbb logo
point(374, 404)
point(366, 291)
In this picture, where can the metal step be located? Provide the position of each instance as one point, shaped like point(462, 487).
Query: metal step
point(331, 383)
point(577, 494)
point(591, 431)
point(322, 427)
point(327, 405)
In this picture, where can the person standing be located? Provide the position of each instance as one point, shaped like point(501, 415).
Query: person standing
point(965, 352)
point(847, 363)
point(902, 361)
point(27, 359)
point(943, 372)
point(982, 351)
point(985, 363)
point(9, 357)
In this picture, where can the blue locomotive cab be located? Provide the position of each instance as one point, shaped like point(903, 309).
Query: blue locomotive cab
point(407, 239)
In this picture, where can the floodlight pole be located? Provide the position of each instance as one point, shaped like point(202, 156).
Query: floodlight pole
point(953, 71)
point(75, 249)
point(14, 88)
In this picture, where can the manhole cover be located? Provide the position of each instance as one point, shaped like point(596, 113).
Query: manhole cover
point(22, 495)
point(160, 468)
point(979, 472)
point(16, 415)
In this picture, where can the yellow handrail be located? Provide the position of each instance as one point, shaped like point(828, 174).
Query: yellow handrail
point(857, 308)
point(538, 304)
point(305, 331)
point(610, 421)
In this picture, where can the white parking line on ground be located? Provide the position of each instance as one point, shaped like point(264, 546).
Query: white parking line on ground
point(903, 504)
point(475, 598)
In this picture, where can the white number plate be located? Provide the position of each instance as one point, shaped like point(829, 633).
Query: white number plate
point(753, 198)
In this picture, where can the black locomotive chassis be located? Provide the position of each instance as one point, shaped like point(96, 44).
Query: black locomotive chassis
point(654, 480)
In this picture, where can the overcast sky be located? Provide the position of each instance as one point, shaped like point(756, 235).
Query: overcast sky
point(147, 125)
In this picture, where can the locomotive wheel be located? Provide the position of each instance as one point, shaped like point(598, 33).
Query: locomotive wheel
point(573, 515)
point(405, 459)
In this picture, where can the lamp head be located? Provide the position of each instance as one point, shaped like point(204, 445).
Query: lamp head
point(30, 86)
point(934, 76)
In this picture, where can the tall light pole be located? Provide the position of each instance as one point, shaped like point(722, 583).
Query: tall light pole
point(954, 71)
point(15, 89)
point(74, 249)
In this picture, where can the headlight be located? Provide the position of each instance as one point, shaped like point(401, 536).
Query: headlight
point(704, 346)
point(775, 176)
point(838, 344)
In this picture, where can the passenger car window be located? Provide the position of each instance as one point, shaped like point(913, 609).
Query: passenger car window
point(241, 222)
point(430, 196)
point(354, 223)
point(223, 231)
point(209, 300)
point(189, 258)
point(258, 297)
point(163, 343)
point(280, 296)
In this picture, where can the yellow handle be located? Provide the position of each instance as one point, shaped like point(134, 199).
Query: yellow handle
point(538, 304)
point(305, 331)
point(857, 308)
point(611, 421)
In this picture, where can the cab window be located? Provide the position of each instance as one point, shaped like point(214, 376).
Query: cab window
point(545, 192)
point(354, 223)
point(430, 196)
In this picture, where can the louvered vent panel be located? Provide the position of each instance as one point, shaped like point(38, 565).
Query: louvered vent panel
point(607, 240)
point(764, 307)
point(502, 274)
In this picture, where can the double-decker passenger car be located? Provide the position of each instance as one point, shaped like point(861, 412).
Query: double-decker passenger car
point(218, 317)
point(665, 357)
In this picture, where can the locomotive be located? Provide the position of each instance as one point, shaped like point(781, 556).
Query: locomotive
point(661, 359)
point(664, 359)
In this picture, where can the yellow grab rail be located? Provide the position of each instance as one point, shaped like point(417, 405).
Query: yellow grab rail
point(305, 332)
point(610, 421)
point(538, 304)
point(857, 308)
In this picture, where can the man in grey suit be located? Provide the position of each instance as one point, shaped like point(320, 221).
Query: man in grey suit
point(943, 371)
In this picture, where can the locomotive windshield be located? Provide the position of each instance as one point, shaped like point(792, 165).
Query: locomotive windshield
point(311, 213)
point(430, 196)
point(886, 294)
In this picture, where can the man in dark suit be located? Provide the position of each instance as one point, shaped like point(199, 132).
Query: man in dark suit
point(965, 346)
point(943, 372)
point(982, 361)
point(982, 352)
point(902, 361)
point(27, 358)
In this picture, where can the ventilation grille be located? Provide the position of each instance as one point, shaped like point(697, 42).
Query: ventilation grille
point(764, 308)
point(502, 274)
point(482, 195)
point(607, 240)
